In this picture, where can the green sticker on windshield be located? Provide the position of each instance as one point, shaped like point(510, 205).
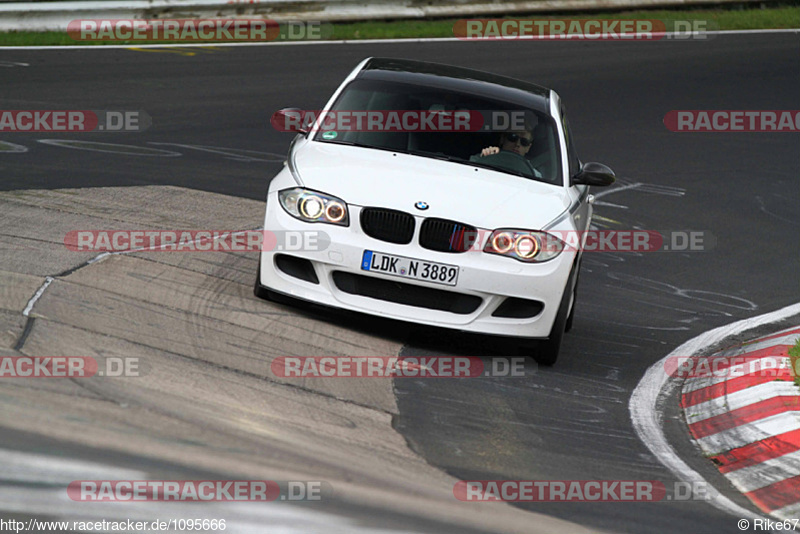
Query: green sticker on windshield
point(329, 135)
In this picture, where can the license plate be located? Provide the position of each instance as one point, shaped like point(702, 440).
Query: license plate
point(428, 271)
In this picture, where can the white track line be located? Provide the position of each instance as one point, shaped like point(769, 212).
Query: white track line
point(651, 394)
point(36, 296)
point(49, 280)
point(351, 41)
point(788, 339)
point(31, 468)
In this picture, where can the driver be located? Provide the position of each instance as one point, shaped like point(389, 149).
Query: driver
point(514, 146)
point(517, 142)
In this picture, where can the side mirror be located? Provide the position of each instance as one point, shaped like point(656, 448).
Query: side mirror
point(594, 174)
point(290, 120)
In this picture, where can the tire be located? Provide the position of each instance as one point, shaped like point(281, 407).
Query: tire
point(571, 316)
point(545, 351)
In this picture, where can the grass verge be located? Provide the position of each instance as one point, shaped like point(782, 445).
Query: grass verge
point(731, 18)
point(794, 354)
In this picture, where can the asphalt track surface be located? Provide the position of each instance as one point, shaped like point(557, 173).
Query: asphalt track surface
point(570, 422)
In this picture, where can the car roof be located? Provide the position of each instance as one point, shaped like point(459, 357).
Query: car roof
point(459, 79)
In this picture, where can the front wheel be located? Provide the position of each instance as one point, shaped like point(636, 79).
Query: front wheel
point(571, 316)
point(545, 351)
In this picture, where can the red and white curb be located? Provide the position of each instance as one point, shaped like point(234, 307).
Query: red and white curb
point(746, 418)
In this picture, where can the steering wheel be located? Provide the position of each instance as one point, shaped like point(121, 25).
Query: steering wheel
point(514, 162)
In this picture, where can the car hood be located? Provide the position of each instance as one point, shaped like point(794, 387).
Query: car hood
point(483, 198)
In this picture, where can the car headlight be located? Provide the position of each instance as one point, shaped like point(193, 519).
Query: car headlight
point(529, 246)
point(311, 206)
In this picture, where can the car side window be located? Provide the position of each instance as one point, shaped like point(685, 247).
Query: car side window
point(572, 155)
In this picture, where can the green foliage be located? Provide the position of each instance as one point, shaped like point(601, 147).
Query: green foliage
point(725, 19)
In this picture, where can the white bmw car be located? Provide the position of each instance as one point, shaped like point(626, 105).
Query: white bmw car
point(454, 225)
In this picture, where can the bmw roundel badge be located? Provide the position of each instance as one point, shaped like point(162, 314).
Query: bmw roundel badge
point(421, 205)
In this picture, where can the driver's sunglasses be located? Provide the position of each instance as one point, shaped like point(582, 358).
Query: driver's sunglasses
point(513, 138)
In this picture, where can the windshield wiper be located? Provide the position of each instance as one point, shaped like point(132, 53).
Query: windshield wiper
point(435, 155)
point(348, 143)
point(454, 159)
point(493, 168)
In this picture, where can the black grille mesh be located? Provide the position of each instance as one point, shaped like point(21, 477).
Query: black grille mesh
point(388, 225)
point(446, 236)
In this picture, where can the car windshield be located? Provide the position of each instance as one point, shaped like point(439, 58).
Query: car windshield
point(433, 123)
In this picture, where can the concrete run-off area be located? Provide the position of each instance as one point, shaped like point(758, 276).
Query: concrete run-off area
point(203, 398)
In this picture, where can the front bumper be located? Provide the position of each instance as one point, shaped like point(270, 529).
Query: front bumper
point(486, 281)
